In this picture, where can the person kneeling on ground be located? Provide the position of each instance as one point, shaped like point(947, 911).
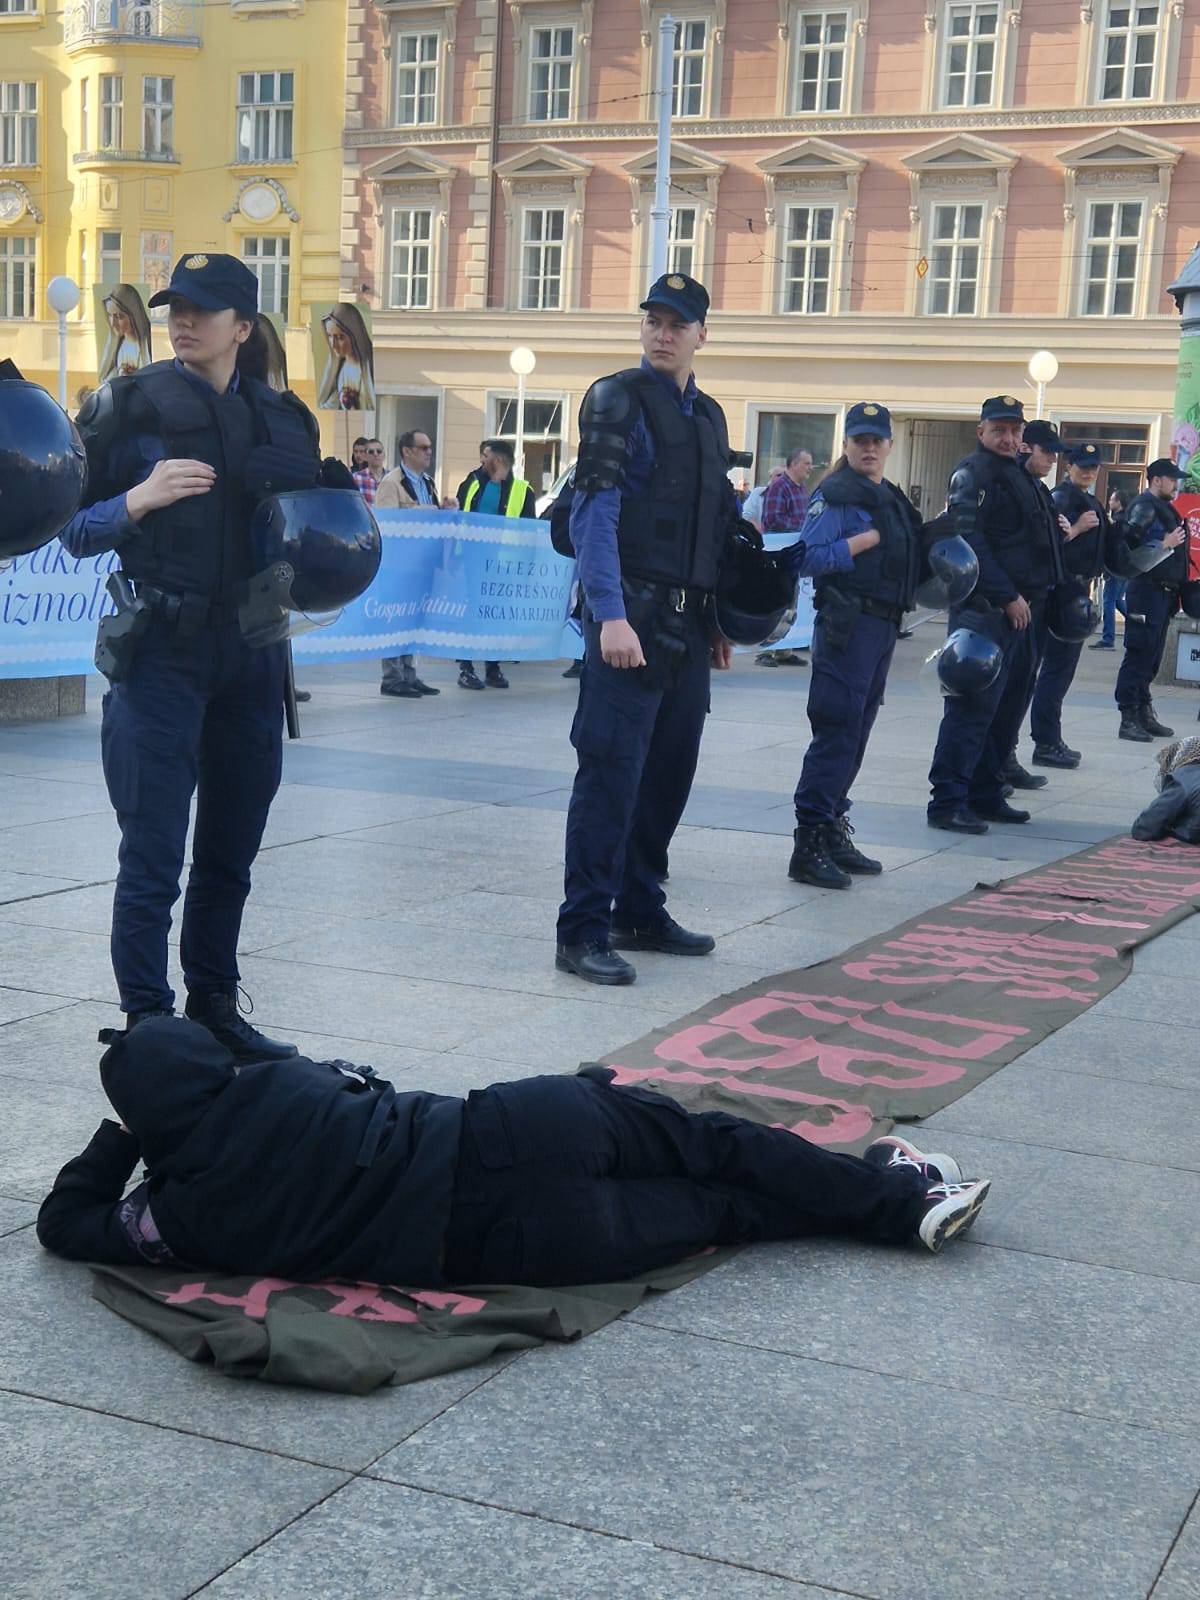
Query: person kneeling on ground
point(316, 1169)
point(1175, 811)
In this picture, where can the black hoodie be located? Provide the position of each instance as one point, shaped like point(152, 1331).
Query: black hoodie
point(301, 1169)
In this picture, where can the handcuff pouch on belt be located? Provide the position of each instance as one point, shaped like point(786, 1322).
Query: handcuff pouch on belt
point(118, 634)
point(657, 613)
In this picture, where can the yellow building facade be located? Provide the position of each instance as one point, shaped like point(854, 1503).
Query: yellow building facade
point(134, 130)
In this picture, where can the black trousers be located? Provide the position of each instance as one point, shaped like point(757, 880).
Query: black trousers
point(199, 715)
point(1148, 612)
point(844, 697)
point(578, 1180)
point(637, 748)
point(979, 731)
point(1054, 679)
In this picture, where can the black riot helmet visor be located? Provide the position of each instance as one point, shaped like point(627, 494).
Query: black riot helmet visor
point(968, 663)
point(755, 599)
point(953, 573)
point(315, 550)
point(1070, 614)
point(43, 468)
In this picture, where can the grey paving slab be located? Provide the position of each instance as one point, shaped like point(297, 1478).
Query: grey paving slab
point(553, 1035)
point(1144, 996)
point(352, 1547)
point(790, 1465)
point(82, 850)
point(1085, 1208)
point(1152, 1123)
point(1181, 1576)
point(377, 880)
point(18, 886)
point(57, 961)
point(1117, 1047)
point(93, 1505)
point(43, 1125)
point(109, 1366)
point(1048, 1333)
point(18, 1003)
point(15, 1215)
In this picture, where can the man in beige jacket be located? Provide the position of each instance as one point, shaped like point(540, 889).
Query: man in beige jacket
point(409, 484)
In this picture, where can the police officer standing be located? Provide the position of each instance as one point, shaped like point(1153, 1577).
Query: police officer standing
point(862, 546)
point(1084, 542)
point(650, 518)
point(995, 504)
point(179, 454)
point(1151, 599)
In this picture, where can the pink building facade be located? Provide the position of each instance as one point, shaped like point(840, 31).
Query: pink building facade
point(888, 199)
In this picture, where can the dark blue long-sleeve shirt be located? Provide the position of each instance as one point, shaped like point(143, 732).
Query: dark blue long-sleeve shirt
point(106, 524)
point(595, 513)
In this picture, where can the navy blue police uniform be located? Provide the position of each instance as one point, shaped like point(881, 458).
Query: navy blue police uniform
point(996, 505)
point(1083, 558)
point(860, 602)
point(650, 518)
point(196, 710)
point(1151, 600)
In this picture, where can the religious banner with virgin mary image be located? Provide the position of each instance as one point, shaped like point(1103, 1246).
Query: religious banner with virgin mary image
point(343, 356)
point(122, 329)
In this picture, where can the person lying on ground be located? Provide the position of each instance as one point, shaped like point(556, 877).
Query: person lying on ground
point(319, 1169)
point(1175, 811)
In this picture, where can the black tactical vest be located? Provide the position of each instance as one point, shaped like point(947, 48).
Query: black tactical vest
point(1083, 556)
point(889, 573)
point(676, 533)
point(258, 441)
point(1017, 519)
point(1164, 519)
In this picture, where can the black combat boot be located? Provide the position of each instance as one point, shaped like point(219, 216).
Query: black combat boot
point(1131, 728)
point(1013, 772)
point(811, 862)
point(1152, 725)
point(220, 1015)
point(844, 853)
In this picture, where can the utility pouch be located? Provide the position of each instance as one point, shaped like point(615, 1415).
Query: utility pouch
point(117, 636)
point(270, 469)
point(655, 614)
point(838, 612)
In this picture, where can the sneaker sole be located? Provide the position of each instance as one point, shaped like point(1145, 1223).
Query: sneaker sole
point(958, 1218)
point(946, 1164)
point(588, 977)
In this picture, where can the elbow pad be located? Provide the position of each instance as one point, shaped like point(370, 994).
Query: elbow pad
point(608, 412)
point(963, 501)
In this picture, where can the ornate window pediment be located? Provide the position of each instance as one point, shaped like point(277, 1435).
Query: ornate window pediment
point(958, 205)
point(411, 193)
point(812, 203)
point(554, 180)
point(695, 182)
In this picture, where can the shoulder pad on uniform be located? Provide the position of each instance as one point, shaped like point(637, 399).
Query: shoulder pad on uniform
point(97, 417)
point(965, 487)
point(608, 412)
point(1140, 514)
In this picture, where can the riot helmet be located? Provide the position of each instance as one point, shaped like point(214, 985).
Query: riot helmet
point(43, 468)
point(953, 573)
point(315, 550)
point(755, 599)
point(1070, 614)
point(968, 663)
point(1189, 598)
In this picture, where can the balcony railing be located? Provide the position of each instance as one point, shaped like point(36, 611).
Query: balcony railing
point(134, 21)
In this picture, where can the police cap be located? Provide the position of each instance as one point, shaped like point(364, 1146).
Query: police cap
point(213, 282)
point(1164, 467)
point(868, 417)
point(1039, 432)
point(680, 294)
point(1002, 407)
point(1084, 455)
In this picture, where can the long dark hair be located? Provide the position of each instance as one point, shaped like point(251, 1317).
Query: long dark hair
point(262, 356)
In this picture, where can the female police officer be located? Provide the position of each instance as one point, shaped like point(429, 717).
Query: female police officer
point(862, 545)
point(178, 455)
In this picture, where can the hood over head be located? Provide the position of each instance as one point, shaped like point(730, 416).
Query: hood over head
point(161, 1079)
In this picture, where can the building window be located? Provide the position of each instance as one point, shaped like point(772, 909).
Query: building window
point(17, 253)
point(17, 8)
point(969, 68)
point(112, 111)
point(687, 94)
point(543, 436)
point(551, 53)
point(780, 432)
point(1128, 47)
point(808, 259)
point(820, 61)
point(1113, 240)
point(1124, 449)
point(266, 104)
point(954, 242)
point(110, 257)
point(156, 265)
point(409, 274)
point(416, 57)
point(681, 241)
point(18, 124)
point(543, 233)
point(85, 116)
point(268, 255)
point(158, 116)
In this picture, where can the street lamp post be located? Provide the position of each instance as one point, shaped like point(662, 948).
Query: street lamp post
point(522, 361)
point(1043, 369)
point(63, 296)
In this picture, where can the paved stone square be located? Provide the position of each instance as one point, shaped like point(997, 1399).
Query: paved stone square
point(1017, 1418)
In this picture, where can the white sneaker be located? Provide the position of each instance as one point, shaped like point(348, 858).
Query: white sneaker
point(893, 1151)
point(950, 1210)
